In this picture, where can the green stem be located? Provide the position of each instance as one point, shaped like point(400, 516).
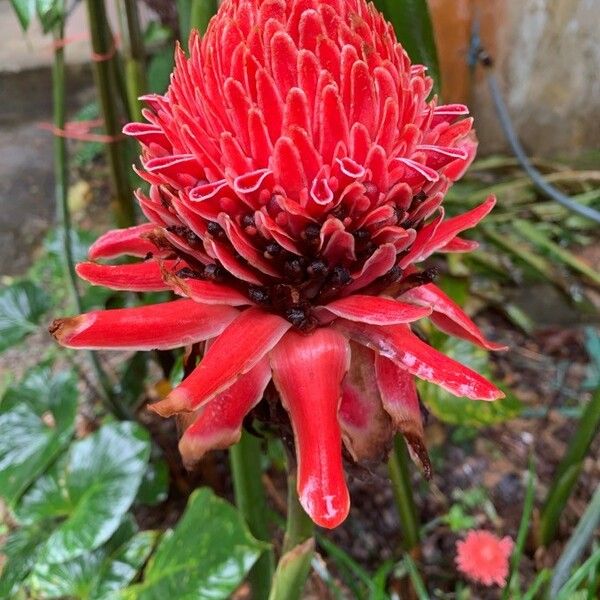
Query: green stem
point(61, 177)
point(399, 470)
point(250, 499)
point(135, 57)
point(201, 12)
point(569, 468)
point(298, 549)
point(103, 46)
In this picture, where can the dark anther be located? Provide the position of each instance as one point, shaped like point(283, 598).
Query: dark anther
point(339, 212)
point(248, 221)
point(399, 214)
point(187, 273)
point(149, 255)
point(417, 279)
point(283, 296)
point(296, 315)
point(272, 249)
point(259, 295)
point(215, 272)
point(318, 268)
point(361, 234)
point(293, 269)
point(312, 231)
point(420, 197)
point(215, 229)
point(340, 276)
point(186, 233)
point(392, 275)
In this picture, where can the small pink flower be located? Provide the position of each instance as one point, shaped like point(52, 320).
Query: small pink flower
point(483, 557)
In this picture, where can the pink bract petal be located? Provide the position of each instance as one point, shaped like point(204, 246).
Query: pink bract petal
point(206, 292)
point(376, 310)
point(399, 344)
point(308, 370)
point(129, 241)
point(219, 424)
point(237, 350)
point(449, 317)
point(136, 277)
point(400, 400)
point(151, 327)
point(367, 430)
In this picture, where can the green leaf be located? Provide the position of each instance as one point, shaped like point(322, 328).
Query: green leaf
point(37, 419)
point(462, 411)
point(414, 30)
point(155, 483)
point(20, 551)
point(207, 556)
point(21, 308)
point(90, 490)
point(96, 575)
point(49, 12)
point(24, 10)
point(159, 70)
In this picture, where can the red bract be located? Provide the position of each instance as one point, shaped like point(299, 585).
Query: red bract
point(296, 171)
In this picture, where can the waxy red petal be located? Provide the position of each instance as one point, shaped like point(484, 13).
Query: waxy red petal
point(151, 327)
point(376, 310)
point(399, 344)
point(206, 292)
point(123, 241)
point(449, 316)
point(400, 400)
point(307, 371)
point(136, 277)
point(219, 424)
point(237, 350)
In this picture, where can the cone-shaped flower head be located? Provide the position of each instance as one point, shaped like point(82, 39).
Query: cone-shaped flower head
point(297, 171)
point(483, 557)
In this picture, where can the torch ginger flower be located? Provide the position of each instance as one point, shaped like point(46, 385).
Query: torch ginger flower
point(483, 557)
point(297, 171)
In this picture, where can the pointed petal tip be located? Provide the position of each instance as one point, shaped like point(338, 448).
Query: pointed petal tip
point(326, 510)
point(64, 330)
point(176, 402)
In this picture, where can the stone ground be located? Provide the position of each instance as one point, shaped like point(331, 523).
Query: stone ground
point(26, 169)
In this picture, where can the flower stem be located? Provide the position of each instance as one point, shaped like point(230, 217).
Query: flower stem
point(135, 57)
point(104, 63)
point(298, 549)
point(61, 178)
point(399, 470)
point(250, 499)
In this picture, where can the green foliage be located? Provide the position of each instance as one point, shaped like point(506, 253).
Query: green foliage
point(25, 10)
point(89, 490)
point(22, 305)
point(37, 419)
point(49, 12)
point(462, 411)
point(207, 555)
point(412, 23)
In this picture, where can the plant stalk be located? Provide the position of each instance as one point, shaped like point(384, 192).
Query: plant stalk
point(63, 214)
point(134, 53)
point(104, 68)
point(251, 501)
point(399, 470)
point(298, 549)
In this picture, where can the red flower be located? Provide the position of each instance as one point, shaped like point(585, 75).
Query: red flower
point(296, 172)
point(483, 557)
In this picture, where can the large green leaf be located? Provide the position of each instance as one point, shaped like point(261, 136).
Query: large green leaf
point(206, 557)
point(412, 23)
point(89, 490)
point(37, 418)
point(24, 9)
point(21, 307)
point(49, 12)
point(99, 574)
point(20, 551)
point(462, 411)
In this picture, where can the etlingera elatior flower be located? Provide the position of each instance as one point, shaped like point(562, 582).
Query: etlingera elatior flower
point(297, 169)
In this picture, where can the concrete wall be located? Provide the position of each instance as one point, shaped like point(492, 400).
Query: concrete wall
point(547, 56)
